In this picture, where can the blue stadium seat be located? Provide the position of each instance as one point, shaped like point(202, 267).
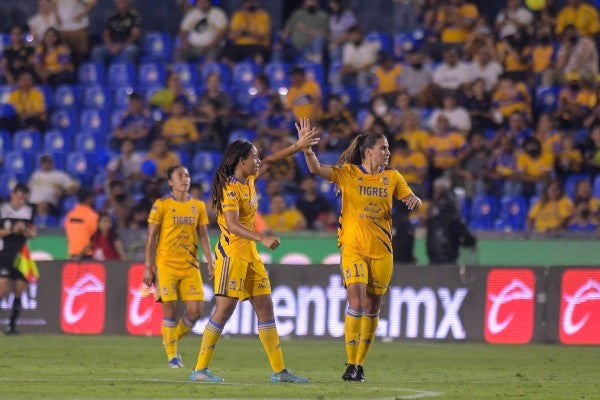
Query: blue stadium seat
point(91, 74)
point(513, 214)
point(78, 166)
point(157, 46)
point(115, 118)
point(121, 74)
point(4, 41)
point(48, 93)
point(27, 141)
point(301, 163)
point(89, 144)
point(151, 74)
point(57, 144)
point(94, 120)
point(483, 213)
point(64, 120)
point(7, 183)
point(242, 134)
point(384, 40)
point(7, 110)
point(188, 74)
point(403, 44)
point(329, 157)
point(279, 75)
point(121, 97)
point(314, 72)
point(66, 97)
point(349, 95)
point(17, 164)
point(215, 67)
point(206, 161)
point(596, 188)
point(327, 190)
point(5, 143)
point(96, 96)
point(546, 99)
point(361, 116)
point(5, 91)
point(244, 73)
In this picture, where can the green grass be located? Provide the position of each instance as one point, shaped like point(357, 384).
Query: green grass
point(115, 367)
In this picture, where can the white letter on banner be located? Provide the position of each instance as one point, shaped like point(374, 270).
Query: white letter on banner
point(284, 305)
point(425, 297)
point(306, 296)
point(336, 294)
point(451, 319)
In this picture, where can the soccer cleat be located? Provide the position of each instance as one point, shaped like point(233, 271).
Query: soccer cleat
point(351, 373)
point(360, 374)
point(204, 375)
point(287, 376)
point(176, 362)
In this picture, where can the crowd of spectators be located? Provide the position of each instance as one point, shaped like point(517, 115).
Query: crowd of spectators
point(506, 110)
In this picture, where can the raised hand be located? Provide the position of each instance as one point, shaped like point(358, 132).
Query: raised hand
point(307, 136)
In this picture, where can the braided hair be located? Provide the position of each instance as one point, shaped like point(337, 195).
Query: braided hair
point(234, 152)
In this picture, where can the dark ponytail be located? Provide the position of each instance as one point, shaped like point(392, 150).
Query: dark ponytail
point(234, 152)
point(355, 153)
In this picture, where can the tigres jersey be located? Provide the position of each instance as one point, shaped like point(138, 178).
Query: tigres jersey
point(178, 239)
point(365, 224)
point(241, 198)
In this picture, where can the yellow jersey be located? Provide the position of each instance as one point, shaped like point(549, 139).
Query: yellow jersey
point(549, 216)
point(257, 22)
point(365, 223)
point(388, 81)
point(584, 17)
point(285, 221)
point(31, 101)
point(535, 166)
point(301, 100)
point(180, 130)
point(452, 31)
point(417, 139)
point(178, 238)
point(242, 198)
point(412, 167)
point(446, 148)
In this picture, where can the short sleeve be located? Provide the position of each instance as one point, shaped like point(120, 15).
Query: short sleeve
point(402, 189)
point(202, 216)
point(156, 214)
point(231, 199)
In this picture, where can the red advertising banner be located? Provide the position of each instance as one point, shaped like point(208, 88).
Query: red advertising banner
point(83, 299)
point(144, 314)
point(580, 307)
point(509, 306)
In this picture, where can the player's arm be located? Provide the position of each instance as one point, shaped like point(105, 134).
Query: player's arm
point(205, 245)
point(314, 166)
point(412, 201)
point(305, 140)
point(234, 226)
point(151, 241)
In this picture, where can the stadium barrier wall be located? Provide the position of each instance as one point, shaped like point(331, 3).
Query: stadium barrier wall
point(453, 304)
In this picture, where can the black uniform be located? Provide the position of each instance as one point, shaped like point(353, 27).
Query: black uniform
point(12, 244)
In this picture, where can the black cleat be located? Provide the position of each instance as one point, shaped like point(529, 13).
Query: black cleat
point(351, 373)
point(360, 374)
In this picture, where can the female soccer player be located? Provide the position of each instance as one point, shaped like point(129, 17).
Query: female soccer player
point(364, 234)
point(239, 271)
point(175, 223)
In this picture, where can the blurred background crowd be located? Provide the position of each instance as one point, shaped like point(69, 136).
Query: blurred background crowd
point(495, 103)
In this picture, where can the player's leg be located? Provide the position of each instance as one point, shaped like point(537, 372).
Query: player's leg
point(166, 284)
point(4, 286)
point(258, 287)
point(354, 272)
point(191, 292)
point(19, 286)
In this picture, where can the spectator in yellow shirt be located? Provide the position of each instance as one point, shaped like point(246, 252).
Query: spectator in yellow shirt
point(575, 102)
point(54, 60)
point(584, 16)
point(304, 96)
point(455, 21)
point(509, 97)
point(179, 129)
point(534, 168)
point(445, 147)
point(411, 131)
point(29, 104)
point(569, 159)
point(552, 212)
point(249, 34)
point(548, 134)
point(283, 219)
point(412, 165)
point(387, 77)
point(163, 157)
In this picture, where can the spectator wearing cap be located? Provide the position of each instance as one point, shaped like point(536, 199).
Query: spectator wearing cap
point(120, 35)
point(80, 224)
point(136, 125)
point(48, 186)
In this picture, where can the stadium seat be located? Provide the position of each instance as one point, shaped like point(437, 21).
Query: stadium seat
point(244, 74)
point(89, 144)
point(17, 164)
point(66, 97)
point(57, 144)
point(4, 41)
point(327, 190)
point(483, 213)
point(64, 120)
point(151, 74)
point(121, 74)
point(121, 97)
point(206, 162)
point(91, 74)
point(188, 74)
point(596, 188)
point(349, 95)
point(279, 76)
point(7, 183)
point(5, 143)
point(7, 111)
point(157, 46)
point(27, 141)
point(242, 134)
point(215, 67)
point(78, 166)
point(404, 43)
point(301, 163)
point(329, 157)
point(384, 40)
point(96, 96)
point(361, 116)
point(513, 213)
point(546, 99)
point(48, 93)
point(94, 120)
point(5, 91)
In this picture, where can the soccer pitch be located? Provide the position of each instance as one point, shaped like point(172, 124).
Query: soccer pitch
point(118, 367)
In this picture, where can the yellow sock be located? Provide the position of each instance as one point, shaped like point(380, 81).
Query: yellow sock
point(211, 336)
point(267, 333)
point(368, 329)
point(169, 340)
point(183, 327)
point(352, 332)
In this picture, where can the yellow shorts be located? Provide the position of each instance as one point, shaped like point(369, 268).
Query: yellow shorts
point(184, 284)
point(240, 279)
point(375, 272)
